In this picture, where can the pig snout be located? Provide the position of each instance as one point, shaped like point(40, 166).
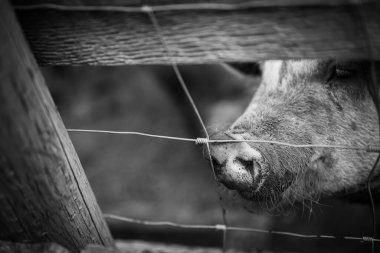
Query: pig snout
point(237, 165)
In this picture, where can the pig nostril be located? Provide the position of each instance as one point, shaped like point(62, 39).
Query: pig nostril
point(248, 165)
point(215, 162)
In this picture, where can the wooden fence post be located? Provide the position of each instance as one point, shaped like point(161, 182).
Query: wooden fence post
point(44, 193)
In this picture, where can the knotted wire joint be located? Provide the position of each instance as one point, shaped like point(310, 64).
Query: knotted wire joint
point(146, 8)
point(221, 227)
point(368, 239)
point(374, 149)
point(201, 141)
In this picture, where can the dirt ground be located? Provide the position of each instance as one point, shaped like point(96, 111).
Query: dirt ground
point(154, 179)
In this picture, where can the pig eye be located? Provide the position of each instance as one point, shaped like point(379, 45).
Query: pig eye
point(341, 72)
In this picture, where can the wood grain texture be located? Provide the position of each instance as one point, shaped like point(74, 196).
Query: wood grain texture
point(44, 193)
point(251, 3)
point(304, 29)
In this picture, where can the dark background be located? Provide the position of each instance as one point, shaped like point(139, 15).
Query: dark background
point(156, 179)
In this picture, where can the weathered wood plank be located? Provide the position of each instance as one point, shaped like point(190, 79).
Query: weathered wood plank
point(244, 3)
point(304, 29)
point(171, 3)
point(44, 193)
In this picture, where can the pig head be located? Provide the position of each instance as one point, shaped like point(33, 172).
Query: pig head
point(301, 102)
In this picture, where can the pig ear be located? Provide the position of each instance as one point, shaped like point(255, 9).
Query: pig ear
point(247, 75)
point(247, 69)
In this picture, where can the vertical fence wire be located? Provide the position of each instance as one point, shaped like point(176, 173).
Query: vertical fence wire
point(374, 90)
point(181, 81)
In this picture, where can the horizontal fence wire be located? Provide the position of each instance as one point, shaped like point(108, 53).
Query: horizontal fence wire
point(369, 148)
point(220, 227)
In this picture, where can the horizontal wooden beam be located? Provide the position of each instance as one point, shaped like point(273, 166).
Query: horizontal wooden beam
point(254, 30)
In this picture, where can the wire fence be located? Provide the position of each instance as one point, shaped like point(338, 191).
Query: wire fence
point(150, 10)
point(368, 148)
point(222, 227)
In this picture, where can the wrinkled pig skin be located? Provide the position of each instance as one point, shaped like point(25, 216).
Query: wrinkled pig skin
point(301, 102)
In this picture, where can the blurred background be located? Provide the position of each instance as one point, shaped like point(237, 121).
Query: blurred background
point(164, 180)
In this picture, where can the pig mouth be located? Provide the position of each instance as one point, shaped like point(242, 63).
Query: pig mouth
point(269, 191)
